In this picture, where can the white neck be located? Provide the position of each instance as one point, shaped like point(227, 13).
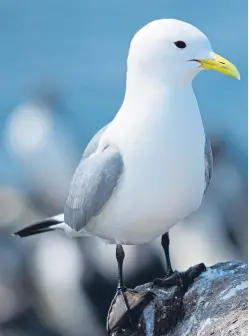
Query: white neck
point(151, 94)
point(155, 113)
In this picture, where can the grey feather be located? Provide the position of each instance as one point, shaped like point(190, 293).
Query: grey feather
point(92, 185)
point(208, 163)
point(93, 144)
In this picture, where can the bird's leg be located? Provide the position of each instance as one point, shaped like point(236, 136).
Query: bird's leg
point(175, 278)
point(165, 245)
point(171, 278)
point(124, 306)
point(120, 255)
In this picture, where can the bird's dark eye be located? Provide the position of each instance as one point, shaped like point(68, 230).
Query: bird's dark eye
point(180, 44)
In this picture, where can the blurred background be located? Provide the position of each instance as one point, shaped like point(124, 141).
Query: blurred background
point(62, 76)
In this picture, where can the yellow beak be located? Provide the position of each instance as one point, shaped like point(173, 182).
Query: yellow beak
point(220, 64)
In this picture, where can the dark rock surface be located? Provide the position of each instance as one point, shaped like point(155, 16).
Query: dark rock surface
point(215, 304)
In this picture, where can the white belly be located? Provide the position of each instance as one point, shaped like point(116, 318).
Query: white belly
point(162, 183)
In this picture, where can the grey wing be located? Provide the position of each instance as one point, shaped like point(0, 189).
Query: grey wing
point(93, 144)
point(208, 163)
point(92, 185)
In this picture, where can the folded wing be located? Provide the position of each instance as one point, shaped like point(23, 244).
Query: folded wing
point(93, 184)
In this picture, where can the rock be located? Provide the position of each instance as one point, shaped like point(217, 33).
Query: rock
point(214, 304)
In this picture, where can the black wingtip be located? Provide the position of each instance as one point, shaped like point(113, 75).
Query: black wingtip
point(37, 228)
point(30, 232)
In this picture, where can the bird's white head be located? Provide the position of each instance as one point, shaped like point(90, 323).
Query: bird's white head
point(174, 50)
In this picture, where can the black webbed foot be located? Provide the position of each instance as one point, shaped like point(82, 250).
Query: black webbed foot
point(125, 309)
point(180, 279)
point(174, 279)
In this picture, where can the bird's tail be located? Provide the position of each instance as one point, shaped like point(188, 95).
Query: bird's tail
point(48, 224)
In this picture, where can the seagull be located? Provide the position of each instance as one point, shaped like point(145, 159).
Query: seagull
point(149, 168)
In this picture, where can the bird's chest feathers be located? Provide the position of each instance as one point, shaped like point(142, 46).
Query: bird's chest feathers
point(165, 163)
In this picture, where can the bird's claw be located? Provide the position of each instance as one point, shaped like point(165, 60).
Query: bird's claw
point(180, 279)
point(174, 279)
point(124, 308)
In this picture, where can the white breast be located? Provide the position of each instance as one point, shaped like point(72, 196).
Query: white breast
point(163, 179)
